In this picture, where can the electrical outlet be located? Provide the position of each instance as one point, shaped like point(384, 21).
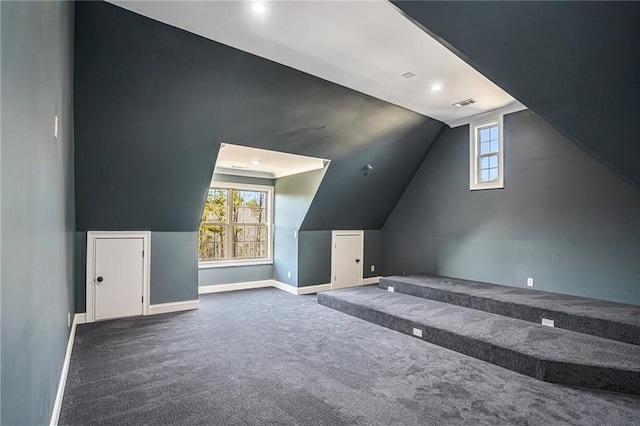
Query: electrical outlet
point(295, 234)
point(68, 319)
point(55, 126)
point(529, 282)
point(288, 274)
point(391, 289)
point(548, 322)
point(417, 332)
point(373, 268)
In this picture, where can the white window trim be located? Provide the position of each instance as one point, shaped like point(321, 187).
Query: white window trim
point(205, 264)
point(474, 182)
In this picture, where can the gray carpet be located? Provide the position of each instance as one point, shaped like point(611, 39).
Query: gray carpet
point(616, 321)
point(546, 353)
point(266, 357)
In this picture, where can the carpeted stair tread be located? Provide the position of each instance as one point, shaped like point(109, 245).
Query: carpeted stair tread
point(616, 321)
point(547, 353)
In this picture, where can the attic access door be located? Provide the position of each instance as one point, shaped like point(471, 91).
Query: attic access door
point(346, 258)
point(117, 275)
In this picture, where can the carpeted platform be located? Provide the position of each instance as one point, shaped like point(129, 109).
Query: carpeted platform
point(546, 353)
point(610, 320)
point(267, 357)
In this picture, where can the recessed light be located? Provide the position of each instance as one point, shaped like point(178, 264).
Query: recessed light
point(436, 87)
point(258, 7)
point(256, 162)
point(408, 75)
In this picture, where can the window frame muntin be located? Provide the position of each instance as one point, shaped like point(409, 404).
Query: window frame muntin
point(474, 154)
point(269, 189)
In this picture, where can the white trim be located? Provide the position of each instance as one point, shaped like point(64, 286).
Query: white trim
point(269, 175)
point(313, 289)
point(474, 184)
point(80, 318)
point(57, 404)
point(206, 289)
point(335, 234)
point(284, 287)
point(91, 266)
point(163, 308)
point(301, 290)
point(372, 280)
point(262, 284)
point(514, 106)
point(207, 264)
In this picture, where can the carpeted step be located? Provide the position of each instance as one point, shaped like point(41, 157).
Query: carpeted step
point(546, 353)
point(616, 321)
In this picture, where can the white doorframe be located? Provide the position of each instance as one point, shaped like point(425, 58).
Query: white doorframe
point(334, 234)
point(91, 266)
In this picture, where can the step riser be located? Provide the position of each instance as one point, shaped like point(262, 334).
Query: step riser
point(595, 327)
point(549, 371)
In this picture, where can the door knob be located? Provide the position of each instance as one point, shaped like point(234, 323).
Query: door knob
point(99, 279)
point(357, 260)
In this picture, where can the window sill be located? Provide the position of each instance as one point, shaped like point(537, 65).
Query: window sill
point(234, 263)
point(483, 187)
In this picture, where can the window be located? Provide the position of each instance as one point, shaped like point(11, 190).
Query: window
point(486, 155)
point(236, 225)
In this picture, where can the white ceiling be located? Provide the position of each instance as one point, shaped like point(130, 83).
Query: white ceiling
point(365, 45)
point(237, 160)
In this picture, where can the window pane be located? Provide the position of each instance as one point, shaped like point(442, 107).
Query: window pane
point(484, 176)
point(215, 208)
point(485, 135)
point(494, 146)
point(493, 161)
point(484, 163)
point(249, 207)
point(484, 148)
point(249, 241)
point(211, 242)
point(493, 174)
point(494, 133)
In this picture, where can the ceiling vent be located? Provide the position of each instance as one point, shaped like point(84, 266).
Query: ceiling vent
point(408, 75)
point(465, 103)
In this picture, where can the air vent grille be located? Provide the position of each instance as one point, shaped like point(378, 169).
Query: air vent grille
point(408, 75)
point(465, 103)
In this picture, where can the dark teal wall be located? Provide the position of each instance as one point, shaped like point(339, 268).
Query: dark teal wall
point(36, 175)
point(562, 218)
point(174, 267)
point(153, 104)
point(294, 195)
point(573, 63)
point(372, 253)
point(314, 256)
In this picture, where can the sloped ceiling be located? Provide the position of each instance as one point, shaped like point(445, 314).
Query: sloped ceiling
point(153, 104)
point(575, 64)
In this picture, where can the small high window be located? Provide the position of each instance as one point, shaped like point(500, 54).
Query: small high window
point(236, 225)
point(486, 157)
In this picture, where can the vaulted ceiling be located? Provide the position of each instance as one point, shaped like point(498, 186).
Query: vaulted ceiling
point(575, 64)
point(153, 103)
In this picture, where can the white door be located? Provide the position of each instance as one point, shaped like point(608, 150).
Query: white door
point(119, 277)
point(347, 259)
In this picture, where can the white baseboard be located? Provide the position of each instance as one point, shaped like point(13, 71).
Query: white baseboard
point(372, 280)
point(80, 318)
point(300, 290)
point(163, 308)
point(235, 286)
point(313, 289)
point(57, 404)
